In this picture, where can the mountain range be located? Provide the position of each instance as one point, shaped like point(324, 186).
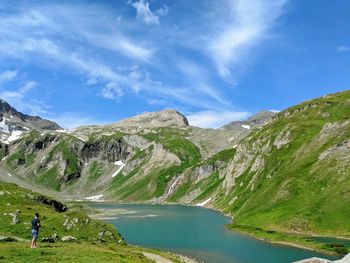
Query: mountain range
point(287, 172)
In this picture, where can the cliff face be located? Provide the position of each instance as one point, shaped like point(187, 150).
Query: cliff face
point(290, 172)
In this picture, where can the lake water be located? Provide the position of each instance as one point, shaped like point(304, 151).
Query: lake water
point(196, 232)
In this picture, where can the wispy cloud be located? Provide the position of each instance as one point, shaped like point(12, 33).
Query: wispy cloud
point(144, 13)
point(69, 120)
point(197, 77)
point(215, 119)
point(342, 48)
point(7, 75)
point(164, 61)
point(18, 95)
point(244, 25)
point(18, 99)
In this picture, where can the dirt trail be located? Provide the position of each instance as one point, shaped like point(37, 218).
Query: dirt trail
point(157, 258)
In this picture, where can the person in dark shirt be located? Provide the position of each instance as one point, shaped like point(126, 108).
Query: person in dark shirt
point(35, 229)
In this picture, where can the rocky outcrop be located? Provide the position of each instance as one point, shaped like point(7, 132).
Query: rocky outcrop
point(15, 217)
point(109, 150)
point(58, 206)
point(282, 138)
point(69, 239)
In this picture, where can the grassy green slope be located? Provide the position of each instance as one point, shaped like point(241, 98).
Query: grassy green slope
point(90, 247)
point(304, 185)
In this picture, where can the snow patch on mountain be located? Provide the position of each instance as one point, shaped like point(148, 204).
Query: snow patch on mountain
point(4, 127)
point(94, 198)
point(121, 164)
point(204, 202)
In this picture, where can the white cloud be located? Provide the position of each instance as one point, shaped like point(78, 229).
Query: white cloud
point(119, 43)
point(17, 98)
point(135, 50)
point(95, 42)
point(69, 120)
point(19, 93)
point(80, 24)
point(7, 76)
point(198, 79)
point(215, 119)
point(29, 85)
point(163, 11)
point(144, 13)
point(112, 91)
point(343, 49)
point(245, 25)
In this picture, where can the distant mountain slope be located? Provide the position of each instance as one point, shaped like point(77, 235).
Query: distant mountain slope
point(212, 141)
point(13, 123)
point(257, 120)
point(140, 158)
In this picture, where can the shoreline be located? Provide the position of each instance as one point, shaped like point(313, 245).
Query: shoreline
point(241, 231)
point(286, 243)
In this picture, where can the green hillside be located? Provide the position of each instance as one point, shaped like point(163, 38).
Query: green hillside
point(95, 241)
point(300, 182)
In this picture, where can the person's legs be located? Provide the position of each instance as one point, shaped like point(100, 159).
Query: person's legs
point(35, 236)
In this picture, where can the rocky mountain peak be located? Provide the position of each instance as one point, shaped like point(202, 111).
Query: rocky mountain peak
point(14, 123)
point(6, 108)
point(261, 117)
point(164, 118)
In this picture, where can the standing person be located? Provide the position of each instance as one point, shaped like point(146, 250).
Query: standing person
point(35, 229)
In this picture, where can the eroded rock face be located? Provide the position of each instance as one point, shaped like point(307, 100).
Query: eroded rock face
point(103, 150)
point(137, 141)
point(282, 138)
point(202, 172)
point(240, 163)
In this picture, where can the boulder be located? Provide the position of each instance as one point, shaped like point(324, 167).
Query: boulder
point(15, 219)
point(55, 237)
point(69, 239)
point(68, 224)
point(48, 240)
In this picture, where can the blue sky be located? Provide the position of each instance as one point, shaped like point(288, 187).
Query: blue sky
point(94, 62)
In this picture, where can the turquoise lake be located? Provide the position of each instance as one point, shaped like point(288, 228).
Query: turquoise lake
point(196, 232)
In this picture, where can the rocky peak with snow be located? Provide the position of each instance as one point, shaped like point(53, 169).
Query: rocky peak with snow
point(257, 120)
point(14, 123)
